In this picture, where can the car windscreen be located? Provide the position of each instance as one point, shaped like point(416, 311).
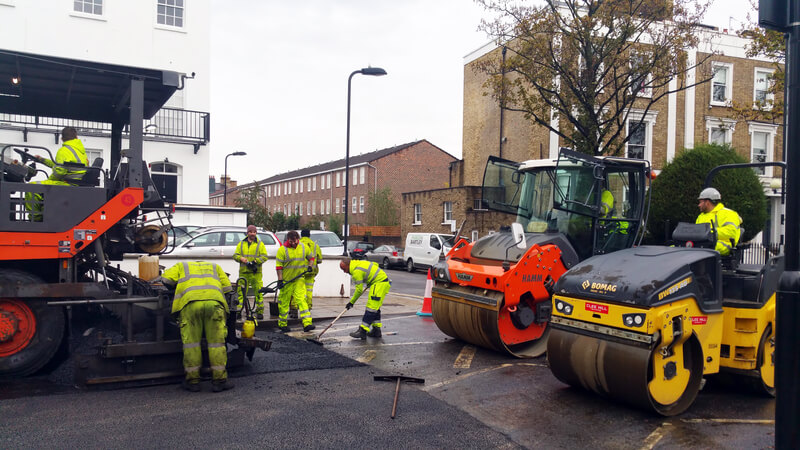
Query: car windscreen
point(326, 240)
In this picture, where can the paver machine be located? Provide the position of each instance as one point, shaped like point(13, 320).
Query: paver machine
point(495, 292)
point(645, 325)
point(55, 249)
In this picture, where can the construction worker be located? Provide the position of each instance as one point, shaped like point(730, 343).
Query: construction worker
point(367, 274)
point(200, 301)
point(251, 254)
point(72, 153)
point(726, 222)
point(305, 239)
point(292, 261)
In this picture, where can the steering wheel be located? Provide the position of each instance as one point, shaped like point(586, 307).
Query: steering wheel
point(25, 156)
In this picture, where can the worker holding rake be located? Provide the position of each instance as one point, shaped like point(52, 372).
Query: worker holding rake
point(367, 275)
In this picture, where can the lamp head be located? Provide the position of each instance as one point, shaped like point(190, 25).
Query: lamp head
point(239, 153)
point(374, 71)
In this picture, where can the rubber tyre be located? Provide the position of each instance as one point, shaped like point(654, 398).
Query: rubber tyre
point(47, 338)
point(410, 266)
point(385, 263)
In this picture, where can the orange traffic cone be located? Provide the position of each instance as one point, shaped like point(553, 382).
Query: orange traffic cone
point(426, 302)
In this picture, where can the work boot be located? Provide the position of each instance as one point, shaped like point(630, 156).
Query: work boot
point(285, 329)
point(374, 332)
point(191, 387)
point(221, 386)
point(308, 328)
point(360, 333)
point(293, 314)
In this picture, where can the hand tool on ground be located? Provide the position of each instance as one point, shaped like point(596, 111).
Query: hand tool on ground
point(316, 340)
point(399, 379)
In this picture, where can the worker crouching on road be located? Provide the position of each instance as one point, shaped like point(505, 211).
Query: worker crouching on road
point(292, 261)
point(251, 254)
point(200, 301)
point(726, 222)
point(367, 274)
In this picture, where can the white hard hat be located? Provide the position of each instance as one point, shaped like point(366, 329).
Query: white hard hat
point(710, 194)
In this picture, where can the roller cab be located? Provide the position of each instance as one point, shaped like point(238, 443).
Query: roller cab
point(496, 292)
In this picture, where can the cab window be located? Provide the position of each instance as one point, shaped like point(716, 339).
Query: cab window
point(435, 242)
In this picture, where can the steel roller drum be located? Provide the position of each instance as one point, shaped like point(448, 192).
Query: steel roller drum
point(485, 326)
point(615, 370)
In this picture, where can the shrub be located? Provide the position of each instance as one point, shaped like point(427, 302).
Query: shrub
point(675, 190)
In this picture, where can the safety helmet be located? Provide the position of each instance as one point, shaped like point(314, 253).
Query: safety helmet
point(709, 194)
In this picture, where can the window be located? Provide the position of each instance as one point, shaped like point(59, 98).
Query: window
point(344, 204)
point(207, 240)
point(167, 180)
point(448, 212)
point(328, 180)
point(354, 178)
point(338, 176)
point(361, 204)
point(640, 75)
point(309, 208)
point(762, 138)
point(327, 205)
point(474, 235)
point(298, 186)
point(417, 214)
point(477, 205)
point(640, 134)
point(362, 174)
point(308, 181)
point(721, 84)
point(337, 205)
point(170, 12)
point(94, 7)
point(269, 191)
point(314, 184)
point(720, 130)
point(762, 97)
point(288, 188)
point(355, 205)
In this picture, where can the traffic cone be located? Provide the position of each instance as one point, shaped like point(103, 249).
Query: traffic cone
point(426, 302)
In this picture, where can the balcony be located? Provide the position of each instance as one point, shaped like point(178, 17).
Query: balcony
point(180, 126)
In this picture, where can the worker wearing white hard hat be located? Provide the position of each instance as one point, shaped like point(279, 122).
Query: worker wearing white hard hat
point(726, 222)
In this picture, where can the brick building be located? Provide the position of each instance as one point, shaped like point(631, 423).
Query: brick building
point(679, 120)
point(319, 191)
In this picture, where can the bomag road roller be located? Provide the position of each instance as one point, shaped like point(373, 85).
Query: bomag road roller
point(495, 292)
point(644, 325)
point(56, 241)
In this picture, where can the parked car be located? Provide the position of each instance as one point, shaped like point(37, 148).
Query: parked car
point(357, 250)
point(387, 256)
point(181, 233)
point(222, 241)
point(423, 250)
point(329, 243)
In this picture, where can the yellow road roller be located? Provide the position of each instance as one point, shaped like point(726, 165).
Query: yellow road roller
point(495, 292)
point(644, 325)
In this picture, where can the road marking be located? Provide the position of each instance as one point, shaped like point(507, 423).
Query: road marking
point(745, 421)
point(655, 436)
point(429, 387)
point(368, 356)
point(464, 359)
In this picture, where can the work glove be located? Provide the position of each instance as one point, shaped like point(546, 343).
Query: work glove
point(252, 266)
point(348, 306)
point(280, 284)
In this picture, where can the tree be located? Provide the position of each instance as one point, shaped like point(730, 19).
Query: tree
point(335, 224)
point(382, 210)
point(771, 44)
point(250, 199)
point(674, 192)
point(586, 68)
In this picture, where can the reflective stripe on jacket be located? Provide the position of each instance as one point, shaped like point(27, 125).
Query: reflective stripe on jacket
point(316, 252)
point(293, 261)
point(253, 251)
point(727, 223)
point(72, 151)
point(365, 274)
point(197, 280)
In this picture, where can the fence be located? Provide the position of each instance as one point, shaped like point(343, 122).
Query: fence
point(758, 253)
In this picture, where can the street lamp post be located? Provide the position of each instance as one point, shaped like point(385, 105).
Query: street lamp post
point(225, 195)
point(373, 71)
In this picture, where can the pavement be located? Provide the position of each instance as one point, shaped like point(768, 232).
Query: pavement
point(327, 308)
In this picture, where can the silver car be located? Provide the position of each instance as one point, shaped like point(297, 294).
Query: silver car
point(222, 241)
point(387, 256)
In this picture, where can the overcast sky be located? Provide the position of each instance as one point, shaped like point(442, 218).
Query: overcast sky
point(279, 74)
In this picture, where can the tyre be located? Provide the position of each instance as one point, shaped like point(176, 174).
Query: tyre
point(30, 331)
point(410, 265)
point(385, 263)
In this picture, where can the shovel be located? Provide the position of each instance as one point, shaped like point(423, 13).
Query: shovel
point(316, 340)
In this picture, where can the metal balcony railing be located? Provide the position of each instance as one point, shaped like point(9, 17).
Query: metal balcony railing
point(169, 124)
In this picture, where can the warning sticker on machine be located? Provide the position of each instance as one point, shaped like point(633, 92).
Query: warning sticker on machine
point(594, 307)
point(699, 320)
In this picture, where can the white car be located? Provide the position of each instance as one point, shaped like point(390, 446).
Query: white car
point(329, 243)
point(222, 241)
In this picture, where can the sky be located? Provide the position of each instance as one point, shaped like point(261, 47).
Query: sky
point(279, 72)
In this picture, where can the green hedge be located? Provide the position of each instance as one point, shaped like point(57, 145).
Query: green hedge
point(675, 190)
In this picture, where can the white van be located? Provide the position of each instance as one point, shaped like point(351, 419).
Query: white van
point(423, 250)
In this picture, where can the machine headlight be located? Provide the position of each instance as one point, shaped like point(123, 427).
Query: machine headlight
point(563, 307)
point(633, 320)
point(440, 272)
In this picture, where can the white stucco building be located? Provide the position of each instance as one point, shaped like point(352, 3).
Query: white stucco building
point(154, 34)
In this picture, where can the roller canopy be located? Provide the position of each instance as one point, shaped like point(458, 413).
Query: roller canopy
point(79, 90)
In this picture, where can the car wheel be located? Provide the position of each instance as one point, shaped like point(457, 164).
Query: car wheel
point(410, 265)
point(385, 263)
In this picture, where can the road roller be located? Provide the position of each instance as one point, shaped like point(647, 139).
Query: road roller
point(495, 292)
point(644, 325)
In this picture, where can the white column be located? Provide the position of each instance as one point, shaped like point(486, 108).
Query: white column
point(672, 119)
point(688, 122)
